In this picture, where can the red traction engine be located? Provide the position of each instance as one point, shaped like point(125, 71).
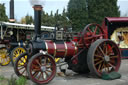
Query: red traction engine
point(89, 52)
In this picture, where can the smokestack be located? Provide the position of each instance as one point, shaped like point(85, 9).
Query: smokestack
point(37, 20)
point(12, 11)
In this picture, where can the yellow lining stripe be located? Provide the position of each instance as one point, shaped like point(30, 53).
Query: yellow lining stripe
point(66, 48)
point(46, 46)
point(55, 49)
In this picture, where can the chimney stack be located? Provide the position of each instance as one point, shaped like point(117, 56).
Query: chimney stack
point(37, 20)
point(12, 11)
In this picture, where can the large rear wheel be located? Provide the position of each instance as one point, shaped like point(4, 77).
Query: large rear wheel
point(103, 56)
point(91, 33)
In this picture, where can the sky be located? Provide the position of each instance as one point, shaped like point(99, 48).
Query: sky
point(23, 7)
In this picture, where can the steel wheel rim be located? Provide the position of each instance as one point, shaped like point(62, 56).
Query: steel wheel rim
point(106, 58)
point(4, 57)
point(41, 71)
point(21, 69)
point(90, 34)
point(17, 52)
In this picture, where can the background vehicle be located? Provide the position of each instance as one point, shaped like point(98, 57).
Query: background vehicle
point(13, 35)
point(116, 29)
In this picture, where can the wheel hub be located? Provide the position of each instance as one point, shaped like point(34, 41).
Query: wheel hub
point(43, 68)
point(107, 58)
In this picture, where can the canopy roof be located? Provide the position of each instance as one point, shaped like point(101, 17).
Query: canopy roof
point(117, 19)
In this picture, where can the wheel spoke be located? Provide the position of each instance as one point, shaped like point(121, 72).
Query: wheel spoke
point(36, 69)
point(88, 38)
point(89, 30)
point(114, 56)
point(109, 50)
point(105, 48)
point(39, 76)
point(101, 51)
point(37, 61)
point(35, 74)
point(95, 30)
point(98, 56)
point(96, 59)
point(112, 65)
point(99, 67)
point(99, 62)
point(21, 61)
point(48, 70)
point(112, 61)
point(107, 67)
point(102, 67)
point(46, 74)
point(21, 68)
point(45, 61)
point(23, 71)
point(49, 66)
point(35, 66)
point(42, 76)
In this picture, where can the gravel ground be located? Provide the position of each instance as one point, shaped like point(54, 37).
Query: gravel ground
point(72, 78)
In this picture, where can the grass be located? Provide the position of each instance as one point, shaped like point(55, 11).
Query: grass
point(21, 81)
point(13, 81)
point(2, 78)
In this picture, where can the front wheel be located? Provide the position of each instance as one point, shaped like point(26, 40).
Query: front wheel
point(103, 56)
point(41, 68)
point(20, 65)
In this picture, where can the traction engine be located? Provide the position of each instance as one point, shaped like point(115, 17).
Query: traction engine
point(90, 51)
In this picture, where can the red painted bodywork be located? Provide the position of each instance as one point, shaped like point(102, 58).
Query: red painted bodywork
point(120, 21)
point(63, 49)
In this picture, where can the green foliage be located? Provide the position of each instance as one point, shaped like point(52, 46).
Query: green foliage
point(28, 19)
point(3, 16)
point(77, 13)
point(21, 81)
point(83, 12)
point(99, 9)
point(12, 81)
point(53, 19)
point(1, 77)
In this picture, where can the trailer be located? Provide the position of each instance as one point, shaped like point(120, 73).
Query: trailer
point(117, 30)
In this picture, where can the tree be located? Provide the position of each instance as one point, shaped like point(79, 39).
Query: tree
point(23, 21)
point(65, 22)
point(3, 16)
point(83, 12)
point(99, 9)
point(77, 13)
point(55, 19)
point(27, 19)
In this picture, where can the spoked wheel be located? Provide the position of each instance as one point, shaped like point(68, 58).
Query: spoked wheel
point(103, 56)
point(20, 65)
point(91, 33)
point(4, 57)
point(15, 53)
point(41, 68)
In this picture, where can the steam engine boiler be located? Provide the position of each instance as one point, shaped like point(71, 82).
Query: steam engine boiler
point(89, 52)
